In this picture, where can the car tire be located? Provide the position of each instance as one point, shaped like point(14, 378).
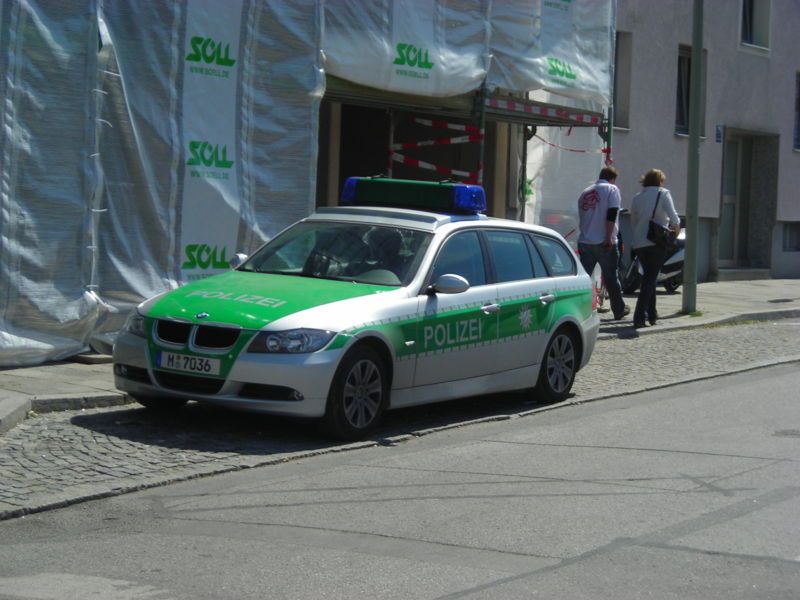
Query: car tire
point(559, 365)
point(161, 405)
point(358, 395)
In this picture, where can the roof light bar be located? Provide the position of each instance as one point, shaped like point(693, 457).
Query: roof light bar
point(447, 197)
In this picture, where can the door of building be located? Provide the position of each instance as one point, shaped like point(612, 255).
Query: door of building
point(735, 196)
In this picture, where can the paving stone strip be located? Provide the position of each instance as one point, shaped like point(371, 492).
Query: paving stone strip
point(59, 458)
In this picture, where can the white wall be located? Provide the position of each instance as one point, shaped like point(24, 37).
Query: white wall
point(746, 89)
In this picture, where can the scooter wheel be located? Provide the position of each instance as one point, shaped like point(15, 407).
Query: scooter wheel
point(672, 285)
point(631, 281)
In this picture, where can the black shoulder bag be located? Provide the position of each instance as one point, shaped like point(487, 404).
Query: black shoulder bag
point(661, 236)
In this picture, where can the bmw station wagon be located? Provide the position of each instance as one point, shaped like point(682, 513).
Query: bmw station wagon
point(404, 295)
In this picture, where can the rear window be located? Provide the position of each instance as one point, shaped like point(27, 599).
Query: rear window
point(510, 256)
point(556, 256)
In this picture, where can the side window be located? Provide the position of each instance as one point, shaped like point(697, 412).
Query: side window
point(539, 270)
point(510, 256)
point(557, 257)
point(461, 255)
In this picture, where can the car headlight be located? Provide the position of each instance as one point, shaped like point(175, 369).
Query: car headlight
point(293, 341)
point(135, 324)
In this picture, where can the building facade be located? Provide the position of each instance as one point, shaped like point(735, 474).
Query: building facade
point(749, 203)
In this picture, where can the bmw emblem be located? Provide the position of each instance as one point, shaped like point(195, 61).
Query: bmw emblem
point(201, 315)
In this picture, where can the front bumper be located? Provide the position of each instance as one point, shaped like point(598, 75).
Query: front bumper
point(281, 384)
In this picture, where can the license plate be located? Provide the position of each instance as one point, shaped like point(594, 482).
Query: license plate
point(192, 364)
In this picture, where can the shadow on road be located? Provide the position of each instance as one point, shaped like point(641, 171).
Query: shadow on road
point(205, 428)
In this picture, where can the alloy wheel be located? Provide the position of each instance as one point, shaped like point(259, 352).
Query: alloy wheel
point(362, 394)
point(561, 363)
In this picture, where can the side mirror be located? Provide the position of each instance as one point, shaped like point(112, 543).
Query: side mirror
point(237, 260)
point(449, 284)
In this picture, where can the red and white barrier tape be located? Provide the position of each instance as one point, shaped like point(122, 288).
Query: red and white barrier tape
point(576, 150)
point(471, 177)
point(544, 111)
point(463, 139)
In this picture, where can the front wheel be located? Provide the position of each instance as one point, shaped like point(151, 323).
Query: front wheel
point(358, 395)
point(559, 365)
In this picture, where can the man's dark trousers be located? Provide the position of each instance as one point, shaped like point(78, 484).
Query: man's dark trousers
point(591, 254)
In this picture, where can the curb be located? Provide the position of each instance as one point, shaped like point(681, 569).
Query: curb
point(14, 410)
point(629, 332)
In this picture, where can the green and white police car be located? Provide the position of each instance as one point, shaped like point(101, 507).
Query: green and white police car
point(406, 294)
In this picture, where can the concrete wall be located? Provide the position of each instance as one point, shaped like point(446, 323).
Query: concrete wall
point(747, 89)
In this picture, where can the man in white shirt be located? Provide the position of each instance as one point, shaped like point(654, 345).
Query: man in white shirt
point(598, 209)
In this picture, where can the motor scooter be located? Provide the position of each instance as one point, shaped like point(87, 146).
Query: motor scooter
point(670, 275)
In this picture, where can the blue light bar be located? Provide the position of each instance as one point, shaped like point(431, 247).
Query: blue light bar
point(446, 197)
point(469, 198)
point(349, 190)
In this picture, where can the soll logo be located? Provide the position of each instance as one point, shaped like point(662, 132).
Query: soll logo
point(206, 154)
point(203, 256)
point(560, 68)
point(210, 52)
point(412, 56)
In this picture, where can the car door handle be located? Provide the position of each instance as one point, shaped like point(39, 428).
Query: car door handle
point(547, 298)
point(490, 308)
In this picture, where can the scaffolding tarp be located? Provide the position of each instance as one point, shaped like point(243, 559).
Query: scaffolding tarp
point(419, 47)
point(144, 143)
point(212, 137)
point(48, 54)
point(560, 46)
point(449, 47)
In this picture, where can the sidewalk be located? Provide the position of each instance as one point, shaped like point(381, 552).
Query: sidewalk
point(87, 383)
point(717, 303)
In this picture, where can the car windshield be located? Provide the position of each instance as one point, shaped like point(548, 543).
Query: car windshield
point(363, 253)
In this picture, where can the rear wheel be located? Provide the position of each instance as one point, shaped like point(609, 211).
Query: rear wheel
point(162, 405)
point(559, 365)
point(358, 395)
point(631, 280)
point(672, 285)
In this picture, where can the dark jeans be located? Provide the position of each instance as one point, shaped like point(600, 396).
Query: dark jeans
point(591, 254)
point(651, 259)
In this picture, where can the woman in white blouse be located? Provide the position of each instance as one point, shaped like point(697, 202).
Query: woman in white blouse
point(653, 202)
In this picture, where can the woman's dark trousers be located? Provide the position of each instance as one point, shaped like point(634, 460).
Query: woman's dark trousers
point(651, 259)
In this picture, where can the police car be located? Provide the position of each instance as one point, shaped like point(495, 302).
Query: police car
point(403, 295)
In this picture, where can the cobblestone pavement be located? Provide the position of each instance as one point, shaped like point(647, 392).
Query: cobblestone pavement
point(58, 458)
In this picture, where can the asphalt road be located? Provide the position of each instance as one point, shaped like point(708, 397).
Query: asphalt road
point(690, 491)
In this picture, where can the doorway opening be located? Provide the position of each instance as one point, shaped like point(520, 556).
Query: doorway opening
point(749, 200)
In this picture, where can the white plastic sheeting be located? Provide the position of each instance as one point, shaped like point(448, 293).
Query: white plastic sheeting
point(561, 162)
point(421, 47)
point(448, 47)
point(190, 132)
point(190, 135)
point(47, 61)
point(212, 138)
